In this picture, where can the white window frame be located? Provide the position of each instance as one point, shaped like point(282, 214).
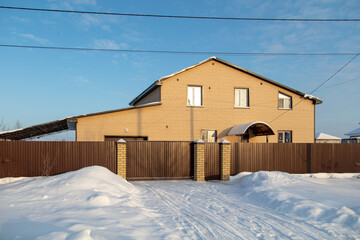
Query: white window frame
point(241, 96)
point(283, 135)
point(209, 135)
point(194, 96)
point(283, 97)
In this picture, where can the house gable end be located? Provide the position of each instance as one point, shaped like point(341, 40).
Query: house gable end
point(140, 99)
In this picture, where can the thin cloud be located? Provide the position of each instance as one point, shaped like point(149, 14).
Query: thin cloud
point(85, 2)
point(87, 21)
point(106, 28)
point(19, 19)
point(109, 44)
point(71, 5)
point(80, 79)
point(34, 38)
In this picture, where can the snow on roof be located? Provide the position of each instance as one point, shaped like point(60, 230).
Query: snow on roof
point(311, 97)
point(325, 136)
point(354, 133)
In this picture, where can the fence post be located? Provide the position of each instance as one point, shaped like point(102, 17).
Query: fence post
point(225, 150)
point(121, 158)
point(199, 160)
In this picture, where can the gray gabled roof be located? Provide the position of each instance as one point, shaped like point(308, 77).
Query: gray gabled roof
point(159, 81)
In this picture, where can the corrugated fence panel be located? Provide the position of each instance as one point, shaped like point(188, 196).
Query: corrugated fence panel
point(148, 160)
point(28, 159)
point(339, 158)
point(212, 161)
point(295, 157)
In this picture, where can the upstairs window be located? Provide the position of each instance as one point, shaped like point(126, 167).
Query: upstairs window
point(242, 97)
point(285, 136)
point(208, 135)
point(285, 101)
point(194, 96)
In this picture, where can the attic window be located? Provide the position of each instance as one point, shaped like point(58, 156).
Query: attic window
point(285, 101)
point(194, 96)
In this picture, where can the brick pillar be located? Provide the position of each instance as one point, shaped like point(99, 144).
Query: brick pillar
point(225, 151)
point(121, 158)
point(199, 160)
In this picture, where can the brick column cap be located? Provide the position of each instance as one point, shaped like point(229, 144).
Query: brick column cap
point(224, 142)
point(121, 141)
point(199, 141)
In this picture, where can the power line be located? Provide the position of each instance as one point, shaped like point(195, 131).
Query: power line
point(328, 79)
point(341, 83)
point(335, 73)
point(188, 17)
point(177, 52)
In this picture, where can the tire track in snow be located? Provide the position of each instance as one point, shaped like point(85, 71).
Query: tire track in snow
point(200, 218)
point(204, 232)
point(223, 224)
point(267, 217)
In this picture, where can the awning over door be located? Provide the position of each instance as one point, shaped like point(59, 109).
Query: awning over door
point(258, 128)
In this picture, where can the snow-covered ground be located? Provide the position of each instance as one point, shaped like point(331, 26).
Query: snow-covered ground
point(94, 203)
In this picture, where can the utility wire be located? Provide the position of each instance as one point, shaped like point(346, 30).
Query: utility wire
point(188, 17)
point(328, 79)
point(335, 73)
point(341, 83)
point(176, 52)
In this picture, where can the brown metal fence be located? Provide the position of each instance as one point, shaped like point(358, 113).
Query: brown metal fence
point(339, 158)
point(148, 160)
point(174, 160)
point(295, 157)
point(212, 161)
point(30, 159)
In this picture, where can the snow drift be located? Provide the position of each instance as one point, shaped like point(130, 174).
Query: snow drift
point(320, 197)
point(94, 203)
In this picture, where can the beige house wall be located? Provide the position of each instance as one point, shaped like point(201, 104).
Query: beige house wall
point(174, 120)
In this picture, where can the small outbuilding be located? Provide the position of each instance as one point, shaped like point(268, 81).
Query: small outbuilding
point(326, 138)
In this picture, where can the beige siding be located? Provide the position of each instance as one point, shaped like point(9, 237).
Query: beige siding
point(174, 120)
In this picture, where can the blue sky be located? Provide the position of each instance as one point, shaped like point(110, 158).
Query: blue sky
point(44, 85)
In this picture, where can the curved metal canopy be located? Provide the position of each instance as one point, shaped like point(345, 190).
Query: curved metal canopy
point(258, 128)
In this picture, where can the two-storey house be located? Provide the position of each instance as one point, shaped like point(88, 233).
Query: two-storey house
point(212, 100)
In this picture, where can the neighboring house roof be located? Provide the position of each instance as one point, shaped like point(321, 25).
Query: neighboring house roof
point(36, 130)
point(354, 133)
point(159, 82)
point(324, 136)
point(58, 125)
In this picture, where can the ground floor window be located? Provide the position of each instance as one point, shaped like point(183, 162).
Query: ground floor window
point(285, 136)
point(208, 135)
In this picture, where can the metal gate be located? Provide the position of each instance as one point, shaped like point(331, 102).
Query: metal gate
point(151, 160)
point(212, 161)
